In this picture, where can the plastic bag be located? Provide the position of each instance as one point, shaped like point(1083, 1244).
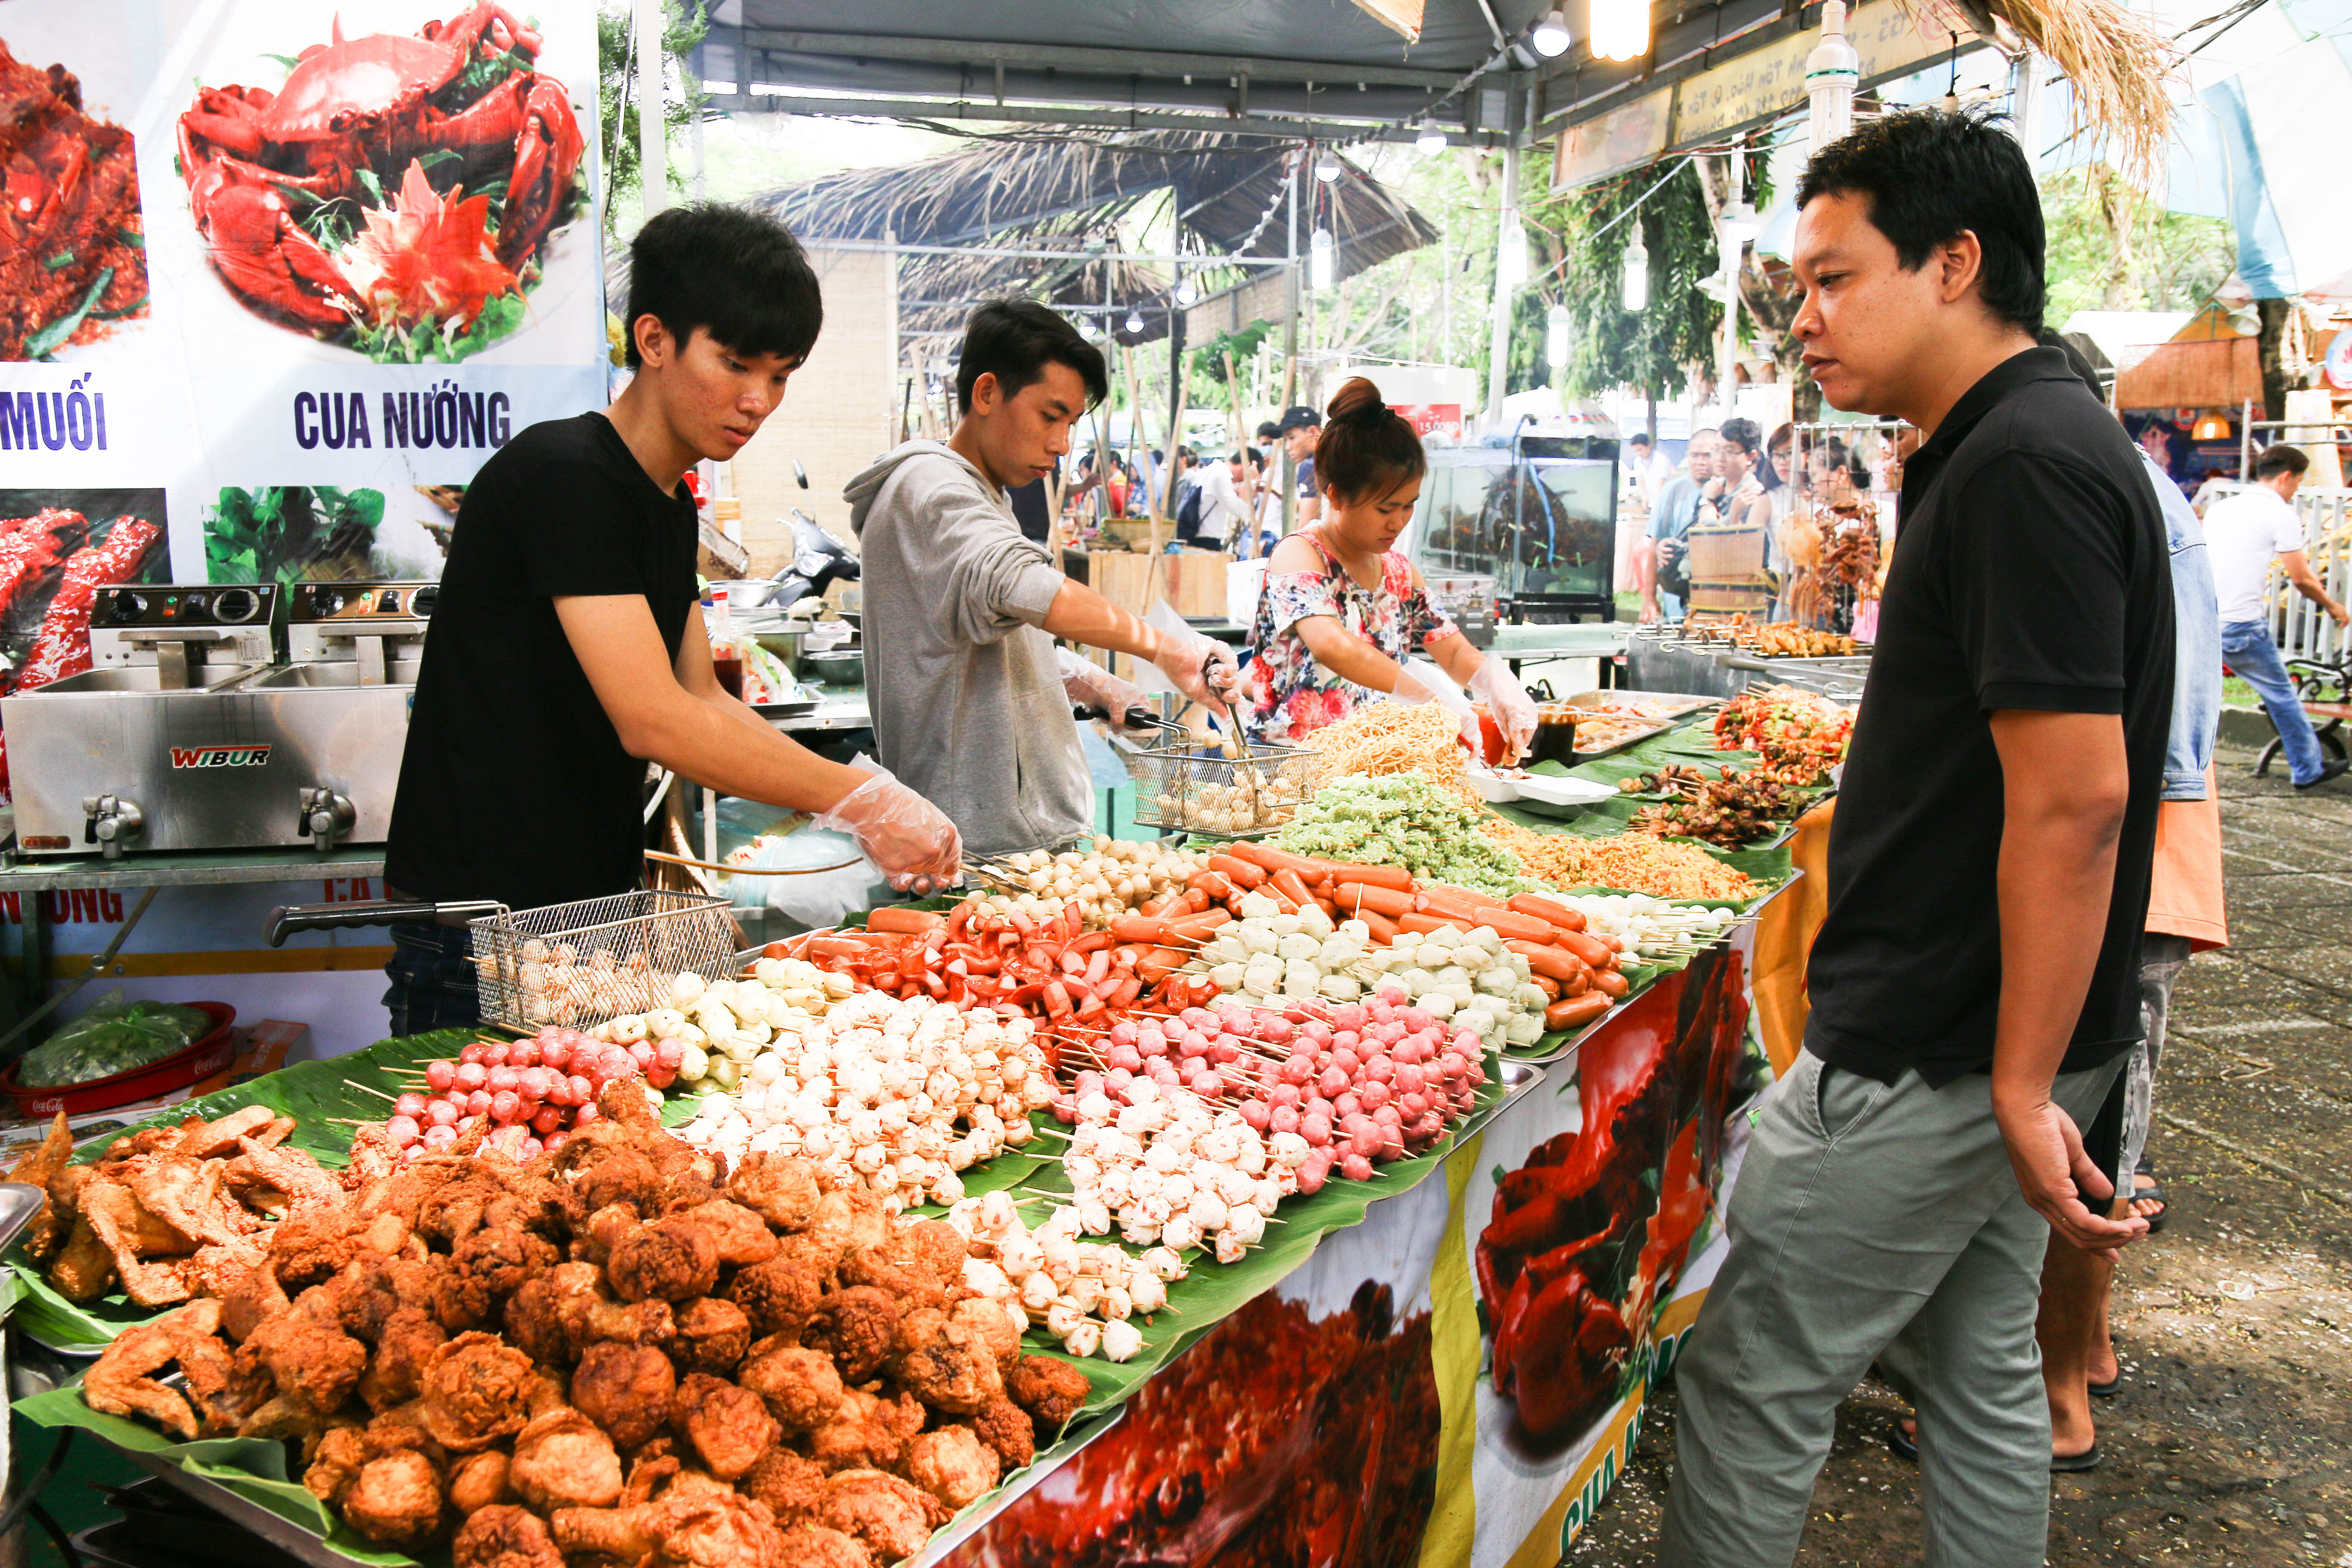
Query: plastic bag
point(115, 1037)
point(818, 899)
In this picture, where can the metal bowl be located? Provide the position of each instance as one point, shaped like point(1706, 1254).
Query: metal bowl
point(837, 667)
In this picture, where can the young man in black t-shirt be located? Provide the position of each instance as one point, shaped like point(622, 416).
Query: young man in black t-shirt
point(565, 651)
point(1974, 984)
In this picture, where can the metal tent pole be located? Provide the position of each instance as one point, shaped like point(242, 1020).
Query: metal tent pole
point(1505, 233)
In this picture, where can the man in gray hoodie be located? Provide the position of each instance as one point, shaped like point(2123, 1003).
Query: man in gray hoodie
point(970, 700)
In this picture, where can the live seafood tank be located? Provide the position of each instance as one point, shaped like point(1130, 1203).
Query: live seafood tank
point(1537, 519)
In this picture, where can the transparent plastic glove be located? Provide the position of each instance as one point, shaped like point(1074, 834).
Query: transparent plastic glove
point(1435, 684)
point(1507, 701)
point(1090, 685)
point(916, 847)
point(1202, 668)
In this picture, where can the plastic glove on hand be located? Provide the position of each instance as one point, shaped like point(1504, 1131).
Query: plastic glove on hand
point(1202, 668)
point(1426, 682)
point(915, 846)
point(1507, 701)
point(1089, 684)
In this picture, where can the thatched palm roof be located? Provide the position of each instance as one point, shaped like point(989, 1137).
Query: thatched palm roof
point(1064, 193)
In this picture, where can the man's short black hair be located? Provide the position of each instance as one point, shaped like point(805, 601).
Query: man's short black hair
point(1744, 433)
point(1638, 439)
point(2272, 461)
point(732, 272)
point(1267, 430)
point(1015, 340)
point(1929, 174)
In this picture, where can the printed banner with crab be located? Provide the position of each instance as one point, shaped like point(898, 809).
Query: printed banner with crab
point(261, 250)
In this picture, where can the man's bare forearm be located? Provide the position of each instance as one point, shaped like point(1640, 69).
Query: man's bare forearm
point(1080, 615)
point(736, 753)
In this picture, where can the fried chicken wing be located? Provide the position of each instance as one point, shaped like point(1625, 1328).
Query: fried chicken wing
point(503, 1536)
point(712, 1335)
point(1051, 1391)
point(782, 1189)
point(562, 1460)
point(934, 1245)
point(476, 1391)
point(396, 1499)
point(800, 1387)
point(479, 1481)
point(951, 1464)
point(1006, 1427)
point(486, 1266)
point(867, 1433)
point(857, 1326)
point(262, 1168)
point(673, 1259)
point(691, 1530)
point(777, 1295)
point(818, 1546)
point(311, 1245)
point(50, 1225)
point(954, 1374)
point(119, 1383)
point(726, 1424)
point(790, 1484)
point(314, 1362)
point(625, 1389)
point(890, 1518)
point(395, 1373)
point(199, 1140)
point(134, 1238)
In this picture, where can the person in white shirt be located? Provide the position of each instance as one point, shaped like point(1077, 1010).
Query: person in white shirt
point(1225, 515)
point(2243, 533)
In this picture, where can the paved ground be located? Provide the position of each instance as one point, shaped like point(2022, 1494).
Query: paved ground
point(2228, 1443)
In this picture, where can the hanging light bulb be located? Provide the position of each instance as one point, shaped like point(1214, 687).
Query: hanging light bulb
point(1318, 256)
point(1134, 323)
point(1556, 337)
point(1619, 29)
point(1550, 36)
point(1087, 329)
point(1327, 166)
point(1511, 255)
point(1430, 141)
point(1637, 273)
point(1188, 293)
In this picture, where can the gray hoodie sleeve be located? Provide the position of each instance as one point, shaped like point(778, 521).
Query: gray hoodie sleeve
point(994, 579)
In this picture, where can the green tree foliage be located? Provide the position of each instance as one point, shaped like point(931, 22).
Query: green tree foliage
point(2110, 248)
point(284, 533)
point(617, 75)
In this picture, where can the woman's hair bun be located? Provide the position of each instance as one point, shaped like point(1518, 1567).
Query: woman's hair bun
point(1358, 400)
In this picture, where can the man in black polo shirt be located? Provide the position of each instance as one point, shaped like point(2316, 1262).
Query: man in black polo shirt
point(1974, 984)
point(566, 652)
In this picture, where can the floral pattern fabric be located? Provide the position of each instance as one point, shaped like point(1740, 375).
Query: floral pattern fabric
point(1287, 695)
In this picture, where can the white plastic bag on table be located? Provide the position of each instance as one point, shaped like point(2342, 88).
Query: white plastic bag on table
point(826, 888)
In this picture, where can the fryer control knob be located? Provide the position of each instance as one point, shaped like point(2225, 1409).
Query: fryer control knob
point(420, 603)
point(127, 609)
point(234, 607)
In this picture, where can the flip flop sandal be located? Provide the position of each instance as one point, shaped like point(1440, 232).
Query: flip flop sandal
point(2153, 1194)
point(2106, 1390)
point(1902, 1445)
point(2074, 1464)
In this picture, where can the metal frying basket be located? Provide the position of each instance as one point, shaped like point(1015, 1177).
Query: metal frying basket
point(1195, 789)
point(577, 965)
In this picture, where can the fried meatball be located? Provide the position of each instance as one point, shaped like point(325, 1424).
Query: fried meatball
point(954, 1374)
point(936, 1246)
point(476, 1390)
point(907, 1283)
point(728, 1425)
point(712, 1335)
point(485, 1268)
point(673, 1259)
point(800, 1387)
point(867, 1433)
point(621, 1176)
point(562, 1460)
point(989, 1325)
point(777, 1295)
point(316, 1364)
point(395, 1374)
point(478, 1480)
point(857, 1326)
point(790, 1484)
point(624, 1389)
point(1051, 1391)
point(1006, 1427)
point(951, 1464)
point(742, 1235)
point(918, 1327)
point(335, 1462)
point(850, 1219)
point(504, 1536)
point(890, 1518)
point(395, 1500)
point(311, 1245)
point(819, 1254)
point(781, 1188)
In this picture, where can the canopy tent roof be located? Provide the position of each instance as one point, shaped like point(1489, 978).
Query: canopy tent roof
point(1061, 201)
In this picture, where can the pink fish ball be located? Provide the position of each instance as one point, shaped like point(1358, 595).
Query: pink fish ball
point(1378, 1070)
point(472, 1075)
point(1284, 1118)
point(1316, 1031)
point(439, 1074)
point(1413, 1107)
point(641, 1054)
point(438, 1138)
point(1123, 1032)
point(1066, 1111)
point(557, 1057)
point(1297, 1070)
point(1346, 1105)
point(523, 1054)
point(1315, 1128)
point(410, 1105)
point(413, 1153)
point(1258, 1113)
point(1194, 1045)
point(660, 1078)
point(1275, 1031)
point(1116, 1082)
point(1406, 1078)
point(583, 1092)
point(494, 1054)
point(503, 1080)
point(669, 1054)
point(1126, 1058)
point(585, 1115)
point(1374, 1095)
point(443, 1112)
point(505, 1106)
point(1086, 1083)
point(1163, 1072)
point(1348, 1016)
point(1208, 1083)
point(1392, 1032)
point(472, 1053)
point(1356, 1167)
point(477, 1103)
point(402, 1130)
point(1333, 1083)
point(1233, 1018)
point(1347, 1040)
point(550, 1118)
point(1285, 1094)
point(1366, 1140)
point(1392, 992)
point(1311, 1176)
point(1152, 1046)
point(553, 1141)
point(1414, 1019)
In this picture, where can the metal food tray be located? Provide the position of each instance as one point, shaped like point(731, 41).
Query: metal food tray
point(1635, 739)
point(276, 1529)
point(579, 965)
point(1690, 702)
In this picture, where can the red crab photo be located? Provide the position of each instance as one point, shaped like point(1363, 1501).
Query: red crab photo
point(73, 256)
point(394, 179)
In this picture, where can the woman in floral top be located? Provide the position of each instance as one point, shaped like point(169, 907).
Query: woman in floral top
point(1342, 611)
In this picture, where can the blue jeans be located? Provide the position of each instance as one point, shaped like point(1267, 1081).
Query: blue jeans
point(2254, 659)
point(1670, 605)
point(432, 975)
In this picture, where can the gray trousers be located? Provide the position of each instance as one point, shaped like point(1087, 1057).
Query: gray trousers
point(1870, 1220)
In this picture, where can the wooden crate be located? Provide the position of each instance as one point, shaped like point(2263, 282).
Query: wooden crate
point(1192, 580)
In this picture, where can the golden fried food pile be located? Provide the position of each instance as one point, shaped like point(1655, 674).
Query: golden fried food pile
point(619, 1353)
point(169, 1213)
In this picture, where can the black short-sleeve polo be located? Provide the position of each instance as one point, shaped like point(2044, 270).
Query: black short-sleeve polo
point(2031, 572)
